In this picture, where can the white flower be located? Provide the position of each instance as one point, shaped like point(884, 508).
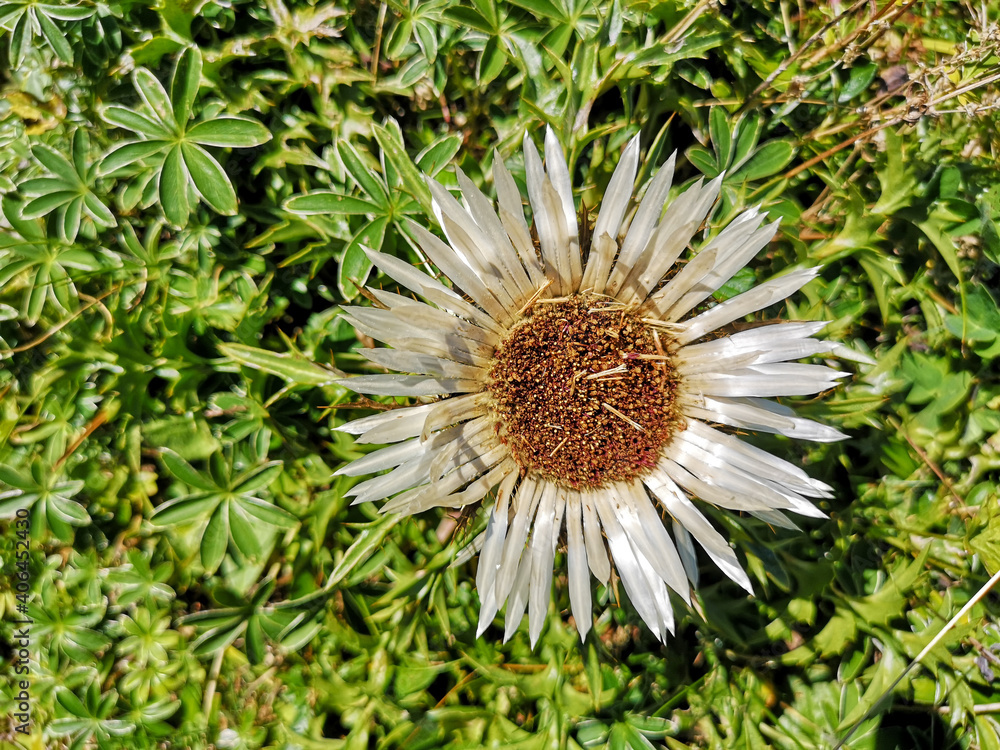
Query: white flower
point(578, 391)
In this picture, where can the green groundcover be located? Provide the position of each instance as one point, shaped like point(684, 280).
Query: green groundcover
point(188, 195)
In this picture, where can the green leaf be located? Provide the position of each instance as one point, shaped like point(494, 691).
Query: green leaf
point(173, 188)
point(242, 530)
point(704, 160)
point(69, 511)
point(184, 509)
point(20, 41)
point(256, 649)
point(185, 472)
point(769, 159)
point(329, 202)
point(438, 154)
point(355, 265)
point(136, 122)
point(80, 153)
point(72, 213)
point(55, 37)
point(897, 179)
point(216, 639)
point(28, 229)
point(258, 478)
point(465, 16)
point(215, 540)
point(426, 34)
point(491, 61)
point(722, 139)
point(294, 369)
point(128, 154)
point(231, 132)
point(155, 97)
point(67, 12)
point(220, 469)
point(185, 83)
point(100, 213)
point(15, 479)
point(366, 179)
point(364, 545)
point(858, 81)
point(42, 186)
point(56, 163)
point(267, 513)
point(45, 204)
point(71, 703)
point(541, 9)
point(980, 325)
point(33, 304)
point(399, 37)
point(390, 138)
point(935, 229)
point(210, 179)
point(748, 134)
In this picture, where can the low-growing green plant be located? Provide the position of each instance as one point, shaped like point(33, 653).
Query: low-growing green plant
point(187, 194)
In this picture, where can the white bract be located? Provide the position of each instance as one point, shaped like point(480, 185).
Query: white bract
point(576, 375)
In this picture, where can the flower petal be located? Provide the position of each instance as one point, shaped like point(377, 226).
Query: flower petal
point(743, 304)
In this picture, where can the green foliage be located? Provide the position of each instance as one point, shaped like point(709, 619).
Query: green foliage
point(187, 193)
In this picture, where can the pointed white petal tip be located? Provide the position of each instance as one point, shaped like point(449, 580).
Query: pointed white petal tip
point(350, 428)
point(843, 351)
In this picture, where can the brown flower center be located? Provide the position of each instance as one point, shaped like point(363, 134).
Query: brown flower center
point(583, 392)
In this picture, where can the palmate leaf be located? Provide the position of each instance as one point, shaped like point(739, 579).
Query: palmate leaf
point(185, 172)
point(67, 193)
point(236, 519)
point(27, 19)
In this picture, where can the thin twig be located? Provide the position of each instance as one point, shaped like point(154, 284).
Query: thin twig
point(100, 418)
point(7, 353)
point(376, 48)
point(787, 62)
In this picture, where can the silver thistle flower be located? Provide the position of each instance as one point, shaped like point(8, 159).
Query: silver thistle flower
point(577, 390)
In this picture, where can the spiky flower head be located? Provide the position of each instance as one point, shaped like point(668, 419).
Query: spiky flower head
point(576, 379)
